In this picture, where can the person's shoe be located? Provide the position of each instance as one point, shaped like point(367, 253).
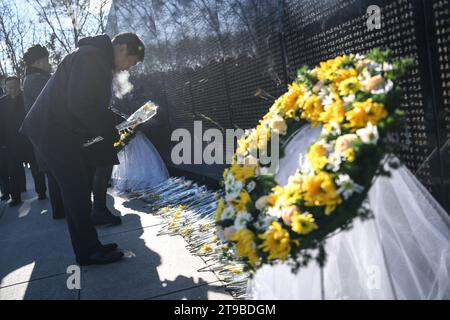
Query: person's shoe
point(101, 257)
point(109, 247)
point(14, 203)
point(42, 197)
point(5, 197)
point(105, 218)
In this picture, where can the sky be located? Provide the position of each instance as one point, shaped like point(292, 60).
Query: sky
point(28, 13)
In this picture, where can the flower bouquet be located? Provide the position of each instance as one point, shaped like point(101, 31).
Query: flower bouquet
point(142, 115)
point(356, 101)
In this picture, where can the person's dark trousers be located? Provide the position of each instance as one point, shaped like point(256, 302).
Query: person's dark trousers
point(100, 188)
point(38, 177)
point(15, 167)
point(75, 181)
point(55, 197)
point(4, 178)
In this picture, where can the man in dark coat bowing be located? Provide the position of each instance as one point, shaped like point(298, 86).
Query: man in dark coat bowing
point(72, 109)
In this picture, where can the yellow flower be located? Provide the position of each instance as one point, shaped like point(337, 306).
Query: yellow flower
point(303, 223)
point(327, 69)
point(349, 86)
point(317, 156)
point(277, 193)
point(242, 201)
point(365, 112)
point(344, 74)
point(277, 107)
point(206, 248)
point(312, 110)
point(349, 155)
point(220, 208)
point(276, 242)
point(245, 246)
point(290, 102)
point(335, 112)
point(176, 216)
point(292, 193)
point(320, 190)
point(243, 172)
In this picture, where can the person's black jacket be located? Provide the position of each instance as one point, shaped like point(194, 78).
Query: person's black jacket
point(12, 113)
point(73, 106)
point(33, 84)
point(35, 80)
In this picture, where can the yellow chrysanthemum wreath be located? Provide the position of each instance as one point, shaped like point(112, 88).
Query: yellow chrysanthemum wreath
point(356, 100)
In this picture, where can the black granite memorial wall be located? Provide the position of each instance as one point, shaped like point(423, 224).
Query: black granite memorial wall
point(222, 62)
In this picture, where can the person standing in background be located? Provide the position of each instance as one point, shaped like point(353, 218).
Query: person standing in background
point(12, 113)
point(38, 70)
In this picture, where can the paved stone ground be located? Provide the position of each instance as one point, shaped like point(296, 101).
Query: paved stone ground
point(35, 253)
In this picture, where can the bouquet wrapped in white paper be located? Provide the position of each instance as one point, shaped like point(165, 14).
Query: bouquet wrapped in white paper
point(142, 115)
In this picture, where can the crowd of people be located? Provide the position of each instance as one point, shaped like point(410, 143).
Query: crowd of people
point(45, 120)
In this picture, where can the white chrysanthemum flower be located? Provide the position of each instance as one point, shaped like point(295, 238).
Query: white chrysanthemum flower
point(369, 134)
point(234, 191)
point(347, 187)
point(387, 66)
point(251, 186)
point(267, 170)
point(242, 219)
point(248, 132)
point(263, 223)
point(364, 76)
point(328, 146)
point(327, 100)
point(334, 161)
point(348, 101)
point(335, 129)
point(274, 212)
point(324, 93)
point(229, 181)
point(307, 94)
point(359, 56)
point(228, 213)
point(383, 88)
